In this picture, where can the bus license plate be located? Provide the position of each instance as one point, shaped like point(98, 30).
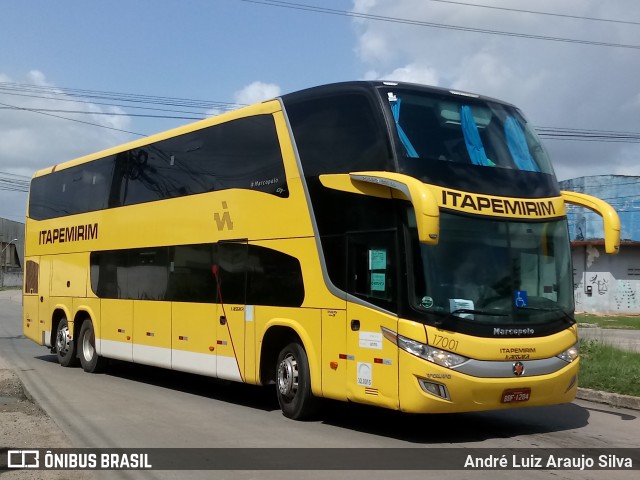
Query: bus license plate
point(516, 395)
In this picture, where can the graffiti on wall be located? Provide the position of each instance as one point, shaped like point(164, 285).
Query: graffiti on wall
point(602, 284)
point(625, 296)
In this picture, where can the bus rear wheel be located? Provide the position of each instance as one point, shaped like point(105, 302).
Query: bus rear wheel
point(293, 383)
point(89, 359)
point(65, 346)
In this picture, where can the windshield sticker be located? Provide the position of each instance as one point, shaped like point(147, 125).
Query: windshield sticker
point(377, 259)
point(456, 304)
point(370, 340)
point(378, 282)
point(521, 298)
point(426, 302)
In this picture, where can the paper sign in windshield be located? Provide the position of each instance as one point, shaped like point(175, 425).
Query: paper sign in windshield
point(378, 282)
point(377, 259)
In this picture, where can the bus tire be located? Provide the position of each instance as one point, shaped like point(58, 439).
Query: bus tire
point(293, 383)
point(89, 359)
point(65, 346)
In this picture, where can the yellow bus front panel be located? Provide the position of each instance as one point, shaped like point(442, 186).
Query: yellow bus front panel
point(429, 388)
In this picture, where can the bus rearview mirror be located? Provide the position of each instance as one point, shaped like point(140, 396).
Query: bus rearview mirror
point(394, 185)
point(609, 216)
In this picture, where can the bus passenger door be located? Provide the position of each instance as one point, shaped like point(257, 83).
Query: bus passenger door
point(230, 271)
point(372, 361)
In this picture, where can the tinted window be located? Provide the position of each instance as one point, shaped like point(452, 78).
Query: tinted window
point(226, 272)
point(84, 188)
point(243, 153)
point(372, 267)
point(338, 134)
point(259, 276)
point(231, 272)
point(138, 274)
point(191, 277)
point(273, 278)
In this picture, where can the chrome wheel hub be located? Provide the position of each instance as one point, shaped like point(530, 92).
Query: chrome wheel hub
point(63, 340)
point(287, 376)
point(88, 348)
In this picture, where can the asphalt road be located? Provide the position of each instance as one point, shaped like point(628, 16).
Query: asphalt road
point(143, 407)
point(623, 339)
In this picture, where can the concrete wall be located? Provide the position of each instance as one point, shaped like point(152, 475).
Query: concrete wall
point(10, 230)
point(12, 277)
point(614, 280)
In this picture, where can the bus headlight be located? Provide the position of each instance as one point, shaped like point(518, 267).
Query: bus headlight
point(570, 354)
point(433, 355)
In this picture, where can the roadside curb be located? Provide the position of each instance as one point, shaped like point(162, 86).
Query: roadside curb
point(613, 399)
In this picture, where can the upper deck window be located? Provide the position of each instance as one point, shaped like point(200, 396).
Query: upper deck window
point(242, 153)
point(464, 130)
point(338, 134)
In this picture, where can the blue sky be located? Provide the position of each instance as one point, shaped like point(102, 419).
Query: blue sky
point(236, 51)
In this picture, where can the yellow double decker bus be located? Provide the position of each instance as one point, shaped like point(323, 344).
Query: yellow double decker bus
point(376, 242)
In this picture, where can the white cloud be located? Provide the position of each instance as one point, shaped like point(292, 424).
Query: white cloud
point(256, 92)
point(411, 73)
point(30, 141)
point(557, 84)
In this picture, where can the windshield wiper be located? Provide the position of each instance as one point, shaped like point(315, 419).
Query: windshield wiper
point(493, 313)
point(565, 315)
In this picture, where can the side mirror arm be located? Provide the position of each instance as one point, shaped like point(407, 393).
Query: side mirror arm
point(610, 218)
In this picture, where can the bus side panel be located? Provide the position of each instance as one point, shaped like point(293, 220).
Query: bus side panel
point(193, 338)
point(372, 366)
point(69, 275)
point(152, 333)
point(116, 329)
point(230, 343)
point(334, 349)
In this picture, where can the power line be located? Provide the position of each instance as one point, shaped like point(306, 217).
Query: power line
point(70, 119)
point(536, 12)
point(560, 133)
point(419, 23)
point(14, 183)
point(93, 102)
point(547, 133)
point(85, 112)
point(74, 93)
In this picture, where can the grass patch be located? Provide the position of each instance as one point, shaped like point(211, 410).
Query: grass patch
point(603, 367)
point(610, 321)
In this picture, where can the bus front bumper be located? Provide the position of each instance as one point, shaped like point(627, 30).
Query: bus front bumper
point(429, 388)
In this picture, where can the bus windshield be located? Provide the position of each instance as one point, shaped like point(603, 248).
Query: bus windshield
point(493, 271)
point(464, 130)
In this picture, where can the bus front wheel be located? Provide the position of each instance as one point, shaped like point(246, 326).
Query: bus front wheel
point(89, 358)
point(65, 346)
point(293, 383)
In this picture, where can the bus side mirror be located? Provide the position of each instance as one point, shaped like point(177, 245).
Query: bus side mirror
point(394, 185)
point(609, 217)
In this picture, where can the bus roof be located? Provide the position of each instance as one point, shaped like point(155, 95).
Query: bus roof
point(269, 106)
